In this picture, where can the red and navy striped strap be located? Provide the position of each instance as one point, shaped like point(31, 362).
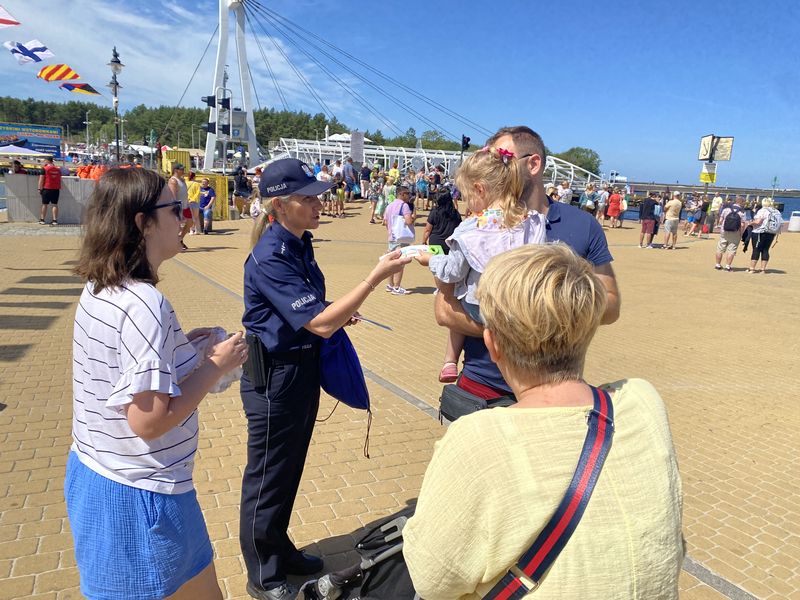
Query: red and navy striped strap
point(555, 535)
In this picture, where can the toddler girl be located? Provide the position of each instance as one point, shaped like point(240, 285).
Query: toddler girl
point(491, 184)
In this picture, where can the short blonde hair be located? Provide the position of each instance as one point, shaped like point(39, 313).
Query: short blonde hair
point(543, 303)
point(767, 203)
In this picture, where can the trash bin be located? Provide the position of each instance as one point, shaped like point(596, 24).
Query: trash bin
point(794, 222)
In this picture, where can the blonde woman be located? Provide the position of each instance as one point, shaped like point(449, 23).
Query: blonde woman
point(286, 315)
point(497, 475)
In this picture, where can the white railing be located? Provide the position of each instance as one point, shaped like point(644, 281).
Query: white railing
point(310, 151)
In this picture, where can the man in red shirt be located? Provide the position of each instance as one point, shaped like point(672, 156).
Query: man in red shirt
point(49, 188)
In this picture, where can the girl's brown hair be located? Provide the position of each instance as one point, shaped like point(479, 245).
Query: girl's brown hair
point(113, 246)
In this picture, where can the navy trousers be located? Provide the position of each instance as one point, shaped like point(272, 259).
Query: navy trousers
point(280, 421)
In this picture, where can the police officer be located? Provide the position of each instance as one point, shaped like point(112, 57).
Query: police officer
point(286, 316)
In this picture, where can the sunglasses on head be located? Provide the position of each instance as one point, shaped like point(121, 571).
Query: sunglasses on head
point(174, 206)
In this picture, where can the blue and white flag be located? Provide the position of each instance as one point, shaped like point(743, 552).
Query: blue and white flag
point(33, 51)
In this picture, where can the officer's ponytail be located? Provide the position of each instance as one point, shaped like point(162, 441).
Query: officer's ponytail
point(263, 221)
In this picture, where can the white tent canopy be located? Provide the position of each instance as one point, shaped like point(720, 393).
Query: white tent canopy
point(139, 149)
point(342, 137)
point(12, 150)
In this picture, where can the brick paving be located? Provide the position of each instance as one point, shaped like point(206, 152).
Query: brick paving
point(718, 346)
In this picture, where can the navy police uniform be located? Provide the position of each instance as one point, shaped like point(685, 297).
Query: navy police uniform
point(284, 289)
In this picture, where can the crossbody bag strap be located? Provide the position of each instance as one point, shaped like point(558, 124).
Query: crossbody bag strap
point(532, 566)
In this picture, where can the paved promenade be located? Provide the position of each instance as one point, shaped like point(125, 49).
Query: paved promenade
point(720, 347)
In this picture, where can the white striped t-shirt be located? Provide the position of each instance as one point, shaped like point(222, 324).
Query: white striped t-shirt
point(127, 340)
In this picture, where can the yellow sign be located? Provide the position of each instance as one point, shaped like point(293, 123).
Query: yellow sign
point(709, 173)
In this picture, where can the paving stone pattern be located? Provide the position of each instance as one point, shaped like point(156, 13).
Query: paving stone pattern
point(720, 347)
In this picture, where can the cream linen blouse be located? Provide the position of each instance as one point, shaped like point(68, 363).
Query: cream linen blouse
point(497, 476)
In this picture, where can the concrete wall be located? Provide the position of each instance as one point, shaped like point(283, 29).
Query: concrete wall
point(24, 202)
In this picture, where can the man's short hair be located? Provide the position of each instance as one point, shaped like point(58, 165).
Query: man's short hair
point(525, 139)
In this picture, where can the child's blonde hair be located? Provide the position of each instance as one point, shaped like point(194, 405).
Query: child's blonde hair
point(498, 171)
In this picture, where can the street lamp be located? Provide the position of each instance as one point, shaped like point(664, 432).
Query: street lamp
point(116, 68)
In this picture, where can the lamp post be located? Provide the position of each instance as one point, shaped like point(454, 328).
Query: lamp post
point(87, 122)
point(116, 68)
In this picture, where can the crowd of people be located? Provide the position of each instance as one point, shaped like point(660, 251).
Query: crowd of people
point(140, 380)
point(523, 281)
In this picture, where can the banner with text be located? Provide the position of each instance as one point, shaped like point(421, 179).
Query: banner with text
point(42, 138)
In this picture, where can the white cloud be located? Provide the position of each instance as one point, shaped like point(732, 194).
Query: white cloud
point(160, 49)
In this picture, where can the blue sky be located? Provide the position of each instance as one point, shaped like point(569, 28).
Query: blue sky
point(639, 82)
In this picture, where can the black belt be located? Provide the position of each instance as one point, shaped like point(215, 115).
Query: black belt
point(259, 360)
point(293, 356)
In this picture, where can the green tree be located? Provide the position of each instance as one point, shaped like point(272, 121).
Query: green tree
point(585, 158)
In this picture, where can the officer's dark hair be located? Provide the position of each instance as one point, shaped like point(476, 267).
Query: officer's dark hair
point(113, 246)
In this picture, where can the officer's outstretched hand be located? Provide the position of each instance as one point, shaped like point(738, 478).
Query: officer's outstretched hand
point(230, 353)
point(389, 265)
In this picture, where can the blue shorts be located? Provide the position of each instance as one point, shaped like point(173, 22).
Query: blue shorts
point(132, 543)
point(690, 218)
point(208, 213)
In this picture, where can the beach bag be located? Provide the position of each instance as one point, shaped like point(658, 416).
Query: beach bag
point(356, 189)
point(401, 232)
point(774, 221)
point(733, 221)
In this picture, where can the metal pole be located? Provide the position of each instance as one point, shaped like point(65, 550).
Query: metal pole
point(87, 123)
point(116, 123)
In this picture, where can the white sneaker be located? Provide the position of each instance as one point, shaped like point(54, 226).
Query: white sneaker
point(389, 288)
point(398, 291)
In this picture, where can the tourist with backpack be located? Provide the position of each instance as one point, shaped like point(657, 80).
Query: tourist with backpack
point(766, 228)
point(732, 219)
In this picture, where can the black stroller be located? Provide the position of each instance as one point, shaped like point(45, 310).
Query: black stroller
point(381, 574)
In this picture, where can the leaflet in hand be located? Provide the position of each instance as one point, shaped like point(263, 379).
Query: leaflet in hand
point(417, 249)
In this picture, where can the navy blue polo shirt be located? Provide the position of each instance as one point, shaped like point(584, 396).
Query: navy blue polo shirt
point(284, 289)
point(565, 223)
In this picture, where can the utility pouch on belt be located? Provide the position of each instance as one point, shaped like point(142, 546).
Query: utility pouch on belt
point(255, 367)
point(455, 402)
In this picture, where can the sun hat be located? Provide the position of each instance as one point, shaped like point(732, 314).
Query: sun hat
point(289, 176)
